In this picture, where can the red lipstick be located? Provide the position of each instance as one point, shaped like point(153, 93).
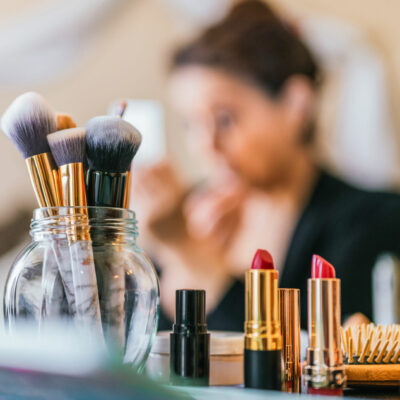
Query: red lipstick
point(321, 269)
point(262, 260)
point(263, 339)
point(324, 371)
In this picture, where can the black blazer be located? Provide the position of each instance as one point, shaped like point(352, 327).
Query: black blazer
point(347, 226)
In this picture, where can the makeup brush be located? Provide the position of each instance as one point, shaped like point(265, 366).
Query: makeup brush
point(56, 287)
point(111, 144)
point(27, 122)
point(68, 149)
point(119, 108)
point(65, 121)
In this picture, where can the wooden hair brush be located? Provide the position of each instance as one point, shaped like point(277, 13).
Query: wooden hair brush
point(371, 354)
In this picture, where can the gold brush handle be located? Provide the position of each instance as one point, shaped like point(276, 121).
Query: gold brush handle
point(45, 180)
point(74, 195)
point(73, 185)
point(127, 190)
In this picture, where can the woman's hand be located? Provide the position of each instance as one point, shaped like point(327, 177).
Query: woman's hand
point(213, 215)
point(356, 319)
point(156, 192)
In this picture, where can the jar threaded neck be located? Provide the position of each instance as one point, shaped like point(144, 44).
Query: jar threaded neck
point(58, 223)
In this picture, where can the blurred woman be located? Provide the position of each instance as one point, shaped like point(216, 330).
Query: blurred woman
point(248, 89)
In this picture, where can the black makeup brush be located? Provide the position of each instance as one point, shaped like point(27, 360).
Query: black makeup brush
point(27, 122)
point(111, 145)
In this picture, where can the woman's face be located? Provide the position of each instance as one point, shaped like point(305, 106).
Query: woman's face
point(256, 136)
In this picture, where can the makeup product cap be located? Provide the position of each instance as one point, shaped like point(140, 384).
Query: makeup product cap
point(190, 341)
point(190, 310)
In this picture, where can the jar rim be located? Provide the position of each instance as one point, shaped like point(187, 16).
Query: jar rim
point(60, 222)
point(43, 212)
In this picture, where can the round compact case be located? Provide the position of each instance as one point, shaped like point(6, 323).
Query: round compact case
point(226, 358)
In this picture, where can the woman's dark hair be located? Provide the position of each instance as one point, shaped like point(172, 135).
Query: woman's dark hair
point(253, 43)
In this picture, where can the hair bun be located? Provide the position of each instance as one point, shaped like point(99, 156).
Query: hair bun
point(252, 10)
point(254, 43)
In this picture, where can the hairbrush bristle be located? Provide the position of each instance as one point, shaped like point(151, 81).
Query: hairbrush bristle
point(27, 122)
point(111, 144)
point(370, 344)
point(68, 146)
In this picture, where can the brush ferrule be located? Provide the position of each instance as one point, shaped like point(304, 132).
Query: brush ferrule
point(74, 195)
point(105, 189)
point(45, 180)
point(73, 185)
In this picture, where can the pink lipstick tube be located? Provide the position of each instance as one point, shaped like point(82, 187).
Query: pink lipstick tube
point(324, 361)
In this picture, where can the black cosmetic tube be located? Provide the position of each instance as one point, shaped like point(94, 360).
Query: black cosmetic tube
point(263, 369)
point(190, 340)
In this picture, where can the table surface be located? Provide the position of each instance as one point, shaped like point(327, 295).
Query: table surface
point(115, 384)
point(238, 393)
point(374, 393)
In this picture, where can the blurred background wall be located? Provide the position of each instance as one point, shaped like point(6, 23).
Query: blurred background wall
point(82, 54)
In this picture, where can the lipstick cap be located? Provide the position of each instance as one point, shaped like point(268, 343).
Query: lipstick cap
point(190, 341)
point(289, 310)
point(190, 309)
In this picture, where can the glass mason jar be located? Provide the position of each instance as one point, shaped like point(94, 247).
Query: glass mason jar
point(83, 267)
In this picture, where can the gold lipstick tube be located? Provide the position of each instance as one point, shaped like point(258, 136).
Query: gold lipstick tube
point(262, 326)
point(45, 180)
point(262, 330)
point(289, 307)
point(324, 361)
